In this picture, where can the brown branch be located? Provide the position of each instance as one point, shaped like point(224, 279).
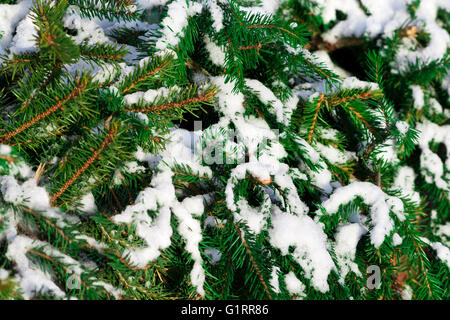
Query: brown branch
point(109, 138)
point(41, 86)
point(76, 92)
point(46, 257)
point(318, 43)
point(260, 115)
point(252, 259)
point(103, 56)
point(271, 26)
point(107, 11)
point(362, 96)
point(309, 63)
point(130, 198)
point(41, 9)
point(360, 117)
point(234, 54)
point(255, 46)
point(416, 247)
point(40, 170)
point(17, 61)
point(144, 77)
point(237, 18)
point(118, 255)
point(316, 114)
point(8, 158)
point(369, 149)
point(174, 105)
point(115, 198)
point(51, 224)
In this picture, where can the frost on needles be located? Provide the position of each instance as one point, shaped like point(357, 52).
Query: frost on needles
point(157, 149)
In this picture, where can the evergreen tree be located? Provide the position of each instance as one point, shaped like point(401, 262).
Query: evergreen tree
point(225, 149)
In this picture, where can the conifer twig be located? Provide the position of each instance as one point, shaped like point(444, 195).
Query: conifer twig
point(109, 138)
point(174, 105)
point(252, 259)
point(316, 114)
point(76, 92)
point(144, 77)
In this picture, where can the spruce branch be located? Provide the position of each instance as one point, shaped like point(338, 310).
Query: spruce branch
point(110, 136)
point(81, 85)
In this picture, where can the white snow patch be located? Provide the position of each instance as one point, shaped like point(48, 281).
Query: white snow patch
point(309, 242)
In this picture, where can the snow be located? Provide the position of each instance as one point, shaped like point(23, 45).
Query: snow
point(24, 40)
point(418, 96)
point(3, 274)
point(294, 286)
point(216, 53)
point(396, 239)
point(432, 167)
point(439, 38)
point(107, 72)
point(115, 292)
point(89, 32)
point(404, 181)
point(381, 204)
point(264, 165)
point(216, 14)
point(88, 204)
point(181, 149)
point(353, 82)
point(386, 16)
point(99, 246)
point(334, 155)
point(5, 149)
point(274, 279)
point(148, 96)
point(255, 134)
point(387, 152)
point(133, 167)
point(178, 13)
point(309, 243)
point(266, 7)
point(155, 233)
point(322, 56)
point(402, 127)
point(190, 229)
point(31, 278)
point(161, 197)
point(407, 292)
point(195, 205)
point(10, 17)
point(148, 4)
point(255, 218)
point(282, 114)
point(214, 254)
point(442, 252)
point(321, 177)
point(446, 83)
point(441, 230)
point(347, 238)
point(229, 103)
point(263, 172)
point(28, 193)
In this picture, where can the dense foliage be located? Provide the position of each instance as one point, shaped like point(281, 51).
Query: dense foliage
point(224, 149)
